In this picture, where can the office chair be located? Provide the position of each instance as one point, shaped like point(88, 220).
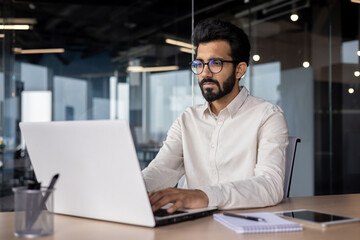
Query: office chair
point(289, 163)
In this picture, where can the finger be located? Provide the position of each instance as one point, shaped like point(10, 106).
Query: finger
point(163, 201)
point(178, 204)
point(155, 197)
point(152, 194)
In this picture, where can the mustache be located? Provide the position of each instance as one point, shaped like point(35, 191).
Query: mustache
point(208, 80)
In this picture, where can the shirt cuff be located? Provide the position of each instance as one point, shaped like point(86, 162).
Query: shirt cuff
point(214, 195)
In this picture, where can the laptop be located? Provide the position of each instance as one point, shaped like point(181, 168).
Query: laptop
point(100, 175)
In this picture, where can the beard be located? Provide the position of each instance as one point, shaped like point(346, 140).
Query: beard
point(210, 94)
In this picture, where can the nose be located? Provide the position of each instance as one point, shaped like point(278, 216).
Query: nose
point(206, 72)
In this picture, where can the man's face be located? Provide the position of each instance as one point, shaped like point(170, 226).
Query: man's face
point(215, 86)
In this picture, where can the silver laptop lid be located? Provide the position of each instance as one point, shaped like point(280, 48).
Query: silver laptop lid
point(99, 171)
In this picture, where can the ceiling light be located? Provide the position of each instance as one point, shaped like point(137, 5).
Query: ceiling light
point(294, 17)
point(16, 50)
point(355, 1)
point(186, 50)
point(32, 6)
point(358, 53)
point(38, 51)
point(351, 90)
point(306, 64)
point(178, 43)
point(2, 35)
point(14, 27)
point(30, 21)
point(152, 69)
point(357, 73)
point(256, 57)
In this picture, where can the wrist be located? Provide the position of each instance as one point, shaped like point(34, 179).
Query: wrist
point(204, 197)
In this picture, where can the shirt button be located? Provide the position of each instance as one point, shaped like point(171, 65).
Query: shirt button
point(213, 145)
point(214, 172)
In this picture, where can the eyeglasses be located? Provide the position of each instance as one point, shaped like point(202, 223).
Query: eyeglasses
point(215, 65)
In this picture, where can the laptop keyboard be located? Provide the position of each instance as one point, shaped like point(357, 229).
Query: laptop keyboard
point(163, 213)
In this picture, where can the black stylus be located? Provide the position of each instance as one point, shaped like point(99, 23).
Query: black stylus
point(258, 219)
point(43, 201)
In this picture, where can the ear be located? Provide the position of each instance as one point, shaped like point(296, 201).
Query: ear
point(240, 70)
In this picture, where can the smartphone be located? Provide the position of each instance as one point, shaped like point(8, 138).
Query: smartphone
point(314, 217)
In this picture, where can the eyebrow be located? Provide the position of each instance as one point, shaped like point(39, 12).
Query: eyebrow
point(200, 59)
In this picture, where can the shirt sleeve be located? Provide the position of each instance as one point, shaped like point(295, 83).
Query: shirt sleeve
point(265, 188)
point(168, 166)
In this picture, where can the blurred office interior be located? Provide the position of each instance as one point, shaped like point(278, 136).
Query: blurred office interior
point(65, 60)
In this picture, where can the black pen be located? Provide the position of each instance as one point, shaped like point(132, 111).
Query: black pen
point(258, 219)
point(43, 201)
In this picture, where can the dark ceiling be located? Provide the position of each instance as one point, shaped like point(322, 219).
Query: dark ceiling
point(126, 29)
point(115, 26)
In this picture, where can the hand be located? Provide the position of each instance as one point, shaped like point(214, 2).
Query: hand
point(179, 198)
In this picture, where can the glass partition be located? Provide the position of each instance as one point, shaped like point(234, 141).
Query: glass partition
point(77, 60)
point(283, 72)
point(125, 60)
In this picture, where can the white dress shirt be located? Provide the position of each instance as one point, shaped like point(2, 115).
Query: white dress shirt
point(237, 158)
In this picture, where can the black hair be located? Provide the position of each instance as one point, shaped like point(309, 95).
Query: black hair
point(209, 30)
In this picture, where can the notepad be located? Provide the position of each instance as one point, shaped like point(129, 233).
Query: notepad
point(273, 223)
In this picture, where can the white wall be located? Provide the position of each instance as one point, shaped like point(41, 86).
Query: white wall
point(35, 77)
point(36, 106)
point(123, 103)
point(349, 52)
point(170, 95)
point(100, 108)
point(266, 80)
point(70, 92)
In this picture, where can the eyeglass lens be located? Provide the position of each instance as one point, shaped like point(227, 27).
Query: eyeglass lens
point(215, 66)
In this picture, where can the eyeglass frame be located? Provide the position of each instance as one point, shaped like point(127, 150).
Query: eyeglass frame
point(204, 63)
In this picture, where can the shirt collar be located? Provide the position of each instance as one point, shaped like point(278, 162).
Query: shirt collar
point(205, 108)
point(233, 106)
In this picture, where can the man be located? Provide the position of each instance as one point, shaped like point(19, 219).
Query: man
point(232, 148)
